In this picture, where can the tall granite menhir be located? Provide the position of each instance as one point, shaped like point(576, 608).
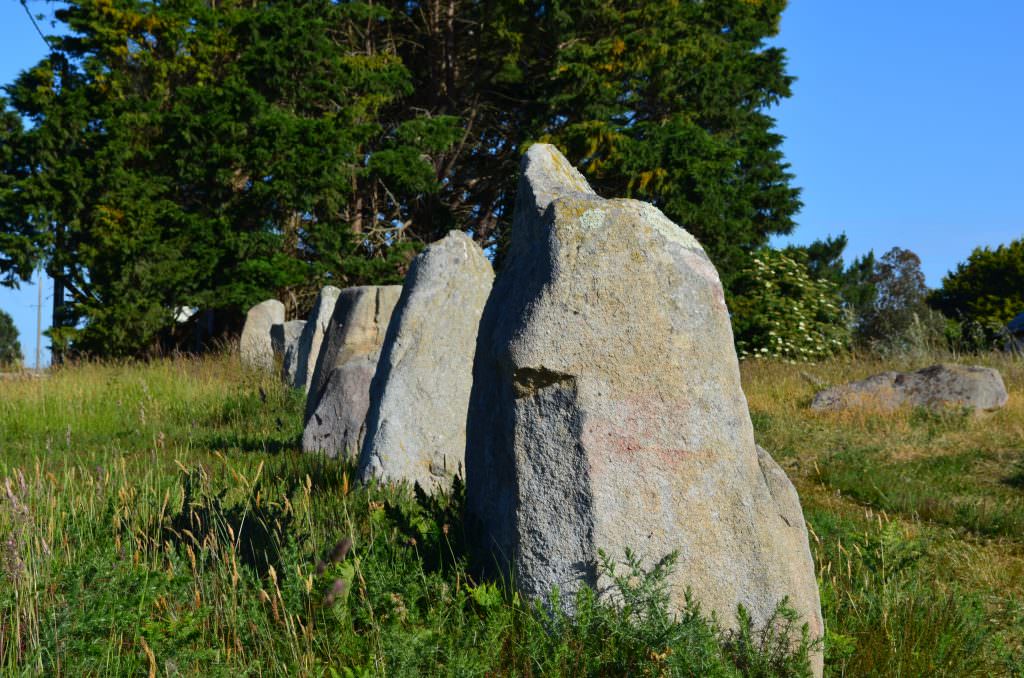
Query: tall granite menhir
point(339, 393)
point(607, 413)
point(257, 345)
point(288, 337)
point(312, 336)
point(416, 428)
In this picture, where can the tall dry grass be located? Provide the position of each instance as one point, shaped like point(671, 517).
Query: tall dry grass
point(159, 519)
point(917, 517)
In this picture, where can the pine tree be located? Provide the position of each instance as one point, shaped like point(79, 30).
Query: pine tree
point(10, 347)
point(188, 153)
point(666, 102)
point(663, 101)
point(212, 154)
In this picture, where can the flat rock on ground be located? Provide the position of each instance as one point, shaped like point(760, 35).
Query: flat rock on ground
point(339, 394)
point(940, 386)
point(607, 413)
point(416, 428)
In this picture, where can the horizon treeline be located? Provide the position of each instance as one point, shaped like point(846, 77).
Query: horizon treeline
point(204, 154)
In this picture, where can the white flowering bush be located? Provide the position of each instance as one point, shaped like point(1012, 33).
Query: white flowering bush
point(780, 311)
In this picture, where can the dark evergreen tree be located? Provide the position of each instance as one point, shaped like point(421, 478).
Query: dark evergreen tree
point(210, 154)
point(823, 258)
point(189, 153)
point(859, 290)
point(17, 235)
point(667, 102)
point(662, 101)
point(10, 347)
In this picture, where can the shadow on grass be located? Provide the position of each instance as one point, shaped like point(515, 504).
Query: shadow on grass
point(257, 531)
point(261, 531)
point(322, 474)
point(946, 490)
point(255, 444)
point(1016, 478)
point(432, 524)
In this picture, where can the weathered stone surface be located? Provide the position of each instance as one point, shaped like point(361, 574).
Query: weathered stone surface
point(256, 345)
point(607, 412)
point(939, 386)
point(339, 394)
point(289, 336)
point(416, 427)
point(312, 336)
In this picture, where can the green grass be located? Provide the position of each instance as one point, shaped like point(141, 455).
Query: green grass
point(954, 490)
point(159, 520)
point(917, 520)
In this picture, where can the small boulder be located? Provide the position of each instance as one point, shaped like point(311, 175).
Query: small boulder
point(290, 334)
point(937, 387)
point(256, 346)
point(416, 428)
point(607, 413)
point(339, 394)
point(312, 336)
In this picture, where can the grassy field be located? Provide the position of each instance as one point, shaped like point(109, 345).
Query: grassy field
point(159, 520)
point(917, 521)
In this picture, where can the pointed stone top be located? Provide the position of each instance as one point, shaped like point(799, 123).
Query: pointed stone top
point(269, 306)
point(452, 238)
point(545, 175)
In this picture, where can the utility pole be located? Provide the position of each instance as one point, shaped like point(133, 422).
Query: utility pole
point(57, 266)
point(39, 318)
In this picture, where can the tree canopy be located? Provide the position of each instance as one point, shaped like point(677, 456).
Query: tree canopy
point(987, 289)
point(10, 347)
point(188, 153)
point(855, 282)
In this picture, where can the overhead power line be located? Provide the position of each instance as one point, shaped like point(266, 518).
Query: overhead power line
point(24, 4)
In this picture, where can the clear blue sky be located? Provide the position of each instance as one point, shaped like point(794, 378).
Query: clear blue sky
point(904, 129)
point(906, 124)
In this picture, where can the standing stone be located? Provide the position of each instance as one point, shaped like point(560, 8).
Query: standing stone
point(339, 394)
point(607, 413)
point(416, 428)
point(256, 345)
point(980, 389)
point(1013, 335)
point(313, 335)
point(291, 333)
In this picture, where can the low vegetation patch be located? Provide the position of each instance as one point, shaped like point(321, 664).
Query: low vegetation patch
point(917, 520)
point(160, 520)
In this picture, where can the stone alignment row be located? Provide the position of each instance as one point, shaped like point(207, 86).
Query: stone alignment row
point(603, 409)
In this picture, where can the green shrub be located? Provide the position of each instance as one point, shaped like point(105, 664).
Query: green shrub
point(780, 311)
point(884, 617)
point(987, 289)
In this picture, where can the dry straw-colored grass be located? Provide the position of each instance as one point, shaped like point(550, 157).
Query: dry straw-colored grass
point(947, 486)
